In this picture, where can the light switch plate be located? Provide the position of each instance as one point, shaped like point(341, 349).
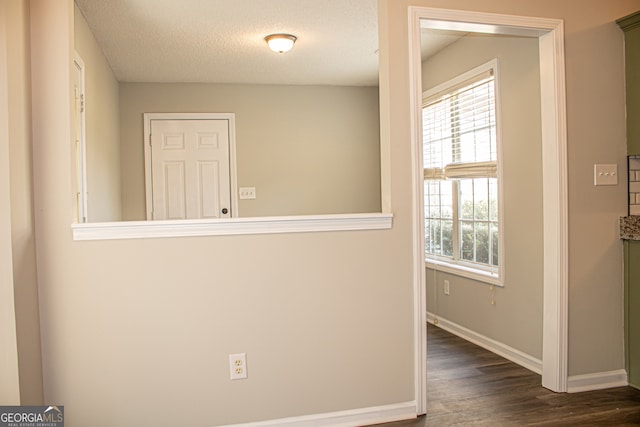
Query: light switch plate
point(605, 174)
point(247, 193)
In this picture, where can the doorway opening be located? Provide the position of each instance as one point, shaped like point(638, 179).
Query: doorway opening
point(550, 36)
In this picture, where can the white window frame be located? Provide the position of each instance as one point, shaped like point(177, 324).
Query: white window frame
point(458, 267)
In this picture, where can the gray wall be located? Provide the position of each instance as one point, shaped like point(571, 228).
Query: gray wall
point(306, 149)
point(102, 127)
point(515, 318)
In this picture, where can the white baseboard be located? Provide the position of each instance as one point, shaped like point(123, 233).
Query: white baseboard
point(350, 418)
point(509, 353)
point(576, 383)
point(597, 381)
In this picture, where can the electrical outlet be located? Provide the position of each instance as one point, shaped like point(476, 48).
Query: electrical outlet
point(446, 287)
point(238, 366)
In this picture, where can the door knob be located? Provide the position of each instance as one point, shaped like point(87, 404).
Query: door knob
point(225, 211)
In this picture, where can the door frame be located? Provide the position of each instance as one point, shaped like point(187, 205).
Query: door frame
point(233, 182)
point(82, 210)
point(550, 34)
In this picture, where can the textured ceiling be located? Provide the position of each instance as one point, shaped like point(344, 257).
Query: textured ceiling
point(222, 41)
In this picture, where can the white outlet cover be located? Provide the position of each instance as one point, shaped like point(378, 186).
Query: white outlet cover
point(238, 366)
point(605, 174)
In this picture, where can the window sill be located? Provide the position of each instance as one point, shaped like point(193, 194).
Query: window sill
point(231, 226)
point(465, 271)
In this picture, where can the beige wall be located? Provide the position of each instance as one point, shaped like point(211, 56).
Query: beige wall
point(148, 324)
point(516, 317)
point(21, 204)
point(306, 149)
point(102, 127)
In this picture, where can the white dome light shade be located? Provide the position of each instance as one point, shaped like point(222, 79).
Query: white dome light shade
point(280, 43)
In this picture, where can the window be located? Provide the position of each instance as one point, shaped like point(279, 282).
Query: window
point(461, 182)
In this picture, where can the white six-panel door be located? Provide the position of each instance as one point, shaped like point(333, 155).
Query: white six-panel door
point(190, 168)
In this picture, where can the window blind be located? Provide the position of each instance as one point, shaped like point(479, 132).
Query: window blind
point(459, 129)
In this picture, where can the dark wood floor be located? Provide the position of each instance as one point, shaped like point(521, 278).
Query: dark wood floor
point(468, 385)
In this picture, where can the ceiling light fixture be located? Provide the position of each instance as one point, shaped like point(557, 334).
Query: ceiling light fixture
point(280, 43)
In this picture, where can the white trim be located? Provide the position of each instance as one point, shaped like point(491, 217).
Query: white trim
point(417, 215)
point(500, 174)
point(460, 269)
point(233, 181)
point(476, 74)
point(555, 210)
point(231, 226)
point(597, 381)
point(354, 417)
point(80, 147)
point(481, 22)
point(516, 356)
point(550, 33)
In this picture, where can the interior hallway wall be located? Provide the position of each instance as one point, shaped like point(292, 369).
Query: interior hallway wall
point(23, 233)
point(147, 324)
point(144, 324)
